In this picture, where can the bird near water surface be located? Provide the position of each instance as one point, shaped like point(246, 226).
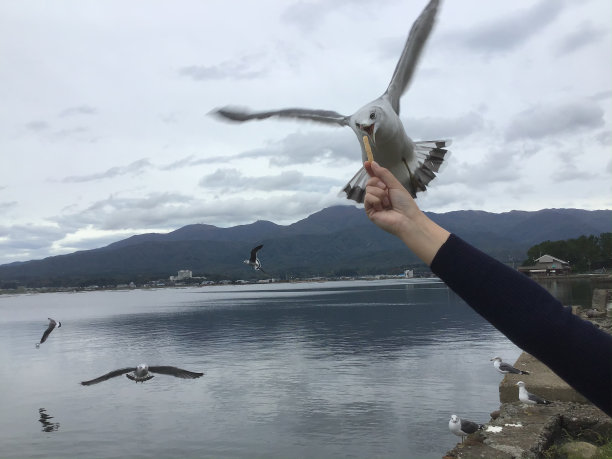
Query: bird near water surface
point(380, 132)
point(143, 373)
point(462, 427)
point(528, 397)
point(253, 260)
point(53, 324)
point(506, 368)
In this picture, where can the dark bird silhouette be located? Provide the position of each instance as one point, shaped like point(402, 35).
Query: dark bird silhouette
point(254, 261)
point(143, 372)
point(52, 325)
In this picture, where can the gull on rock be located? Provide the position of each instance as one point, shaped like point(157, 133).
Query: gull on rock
point(378, 127)
point(463, 427)
point(528, 397)
point(52, 326)
point(143, 372)
point(506, 368)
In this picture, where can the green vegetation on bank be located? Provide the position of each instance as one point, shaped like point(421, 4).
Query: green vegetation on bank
point(584, 254)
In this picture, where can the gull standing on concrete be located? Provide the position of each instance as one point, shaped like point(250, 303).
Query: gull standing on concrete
point(143, 372)
point(377, 125)
point(254, 261)
point(52, 326)
point(528, 397)
point(462, 427)
point(506, 368)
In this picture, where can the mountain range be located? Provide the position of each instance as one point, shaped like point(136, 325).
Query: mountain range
point(336, 241)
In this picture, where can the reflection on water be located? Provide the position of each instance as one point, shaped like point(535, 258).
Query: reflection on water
point(45, 420)
point(574, 291)
point(361, 369)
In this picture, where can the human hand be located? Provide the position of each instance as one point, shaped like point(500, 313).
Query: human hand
point(391, 207)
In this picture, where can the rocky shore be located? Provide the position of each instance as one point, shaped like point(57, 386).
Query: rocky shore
point(570, 427)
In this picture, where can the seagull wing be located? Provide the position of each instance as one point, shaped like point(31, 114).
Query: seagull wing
point(321, 116)
point(469, 426)
point(174, 371)
point(535, 398)
point(509, 368)
point(410, 55)
point(109, 375)
point(48, 331)
point(254, 253)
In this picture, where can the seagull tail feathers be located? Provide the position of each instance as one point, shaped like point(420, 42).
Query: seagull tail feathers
point(355, 188)
point(431, 155)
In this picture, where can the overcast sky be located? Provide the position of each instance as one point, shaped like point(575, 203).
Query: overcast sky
point(105, 132)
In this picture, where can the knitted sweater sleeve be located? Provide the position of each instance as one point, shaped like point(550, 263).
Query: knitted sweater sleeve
point(531, 318)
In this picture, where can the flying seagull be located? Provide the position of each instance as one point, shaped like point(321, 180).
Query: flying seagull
point(506, 368)
point(254, 261)
point(462, 427)
point(143, 372)
point(377, 125)
point(52, 325)
point(528, 397)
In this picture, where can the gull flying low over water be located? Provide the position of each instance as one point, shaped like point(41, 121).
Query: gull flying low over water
point(254, 261)
point(377, 125)
point(462, 427)
point(52, 326)
point(528, 397)
point(506, 368)
point(143, 372)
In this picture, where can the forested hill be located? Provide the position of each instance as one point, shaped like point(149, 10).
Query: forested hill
point(336, 241)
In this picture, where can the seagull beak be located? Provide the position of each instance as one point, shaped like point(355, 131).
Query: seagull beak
point(367, 128)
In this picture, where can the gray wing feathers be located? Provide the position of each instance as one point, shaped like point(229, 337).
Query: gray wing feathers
point(355, 188)
point(431, 156)
point(469, 426)
point(109, 375)
point(320, 116)
point(537, 399)
point(411, 53)
point(174, 371)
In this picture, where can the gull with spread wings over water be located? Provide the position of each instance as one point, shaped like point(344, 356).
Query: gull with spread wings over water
point(143, 372)
point(53, 324)
point(377, 125)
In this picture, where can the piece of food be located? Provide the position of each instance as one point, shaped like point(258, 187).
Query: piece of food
point(368, 149)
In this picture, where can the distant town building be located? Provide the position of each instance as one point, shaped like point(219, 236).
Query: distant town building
point(182, 275)
point(547, 265)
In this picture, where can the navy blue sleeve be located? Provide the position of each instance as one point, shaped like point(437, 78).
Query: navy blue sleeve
point(575, 349)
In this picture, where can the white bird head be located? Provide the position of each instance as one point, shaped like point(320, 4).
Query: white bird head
point(496, 358)
point(520, 384)
point(454, 419)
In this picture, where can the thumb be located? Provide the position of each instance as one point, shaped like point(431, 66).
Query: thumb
point(385, 176)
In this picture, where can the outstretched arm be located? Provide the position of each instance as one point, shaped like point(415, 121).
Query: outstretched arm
point(389, 205)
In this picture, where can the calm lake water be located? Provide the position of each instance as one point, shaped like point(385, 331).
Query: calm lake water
point(358, 369)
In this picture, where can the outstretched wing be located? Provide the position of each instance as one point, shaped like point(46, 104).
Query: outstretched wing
point(109, 375)
point(254, 253)
point(174, 371)
point(48, 331)
point(411, 53)
point(320, 116)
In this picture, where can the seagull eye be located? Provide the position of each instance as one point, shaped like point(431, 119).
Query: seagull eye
point(372, 116)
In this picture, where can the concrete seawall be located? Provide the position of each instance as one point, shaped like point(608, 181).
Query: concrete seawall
point(517, 431)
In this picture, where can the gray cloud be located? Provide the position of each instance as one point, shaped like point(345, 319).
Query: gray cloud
point(135, 168)
point(78, 110)
point(188, 161)
point(239, 69)
point(583, 35)
point(226, 179)
point(510, 31)
point(497, 166)
point(560, 120)
point(37, 126)
point(434, 128)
